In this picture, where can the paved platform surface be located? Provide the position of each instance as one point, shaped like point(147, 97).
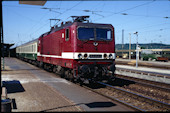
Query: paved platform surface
point(146, 69)
point(153, 64)
point(149, 70)
point(29, 93)
point(33, 89)
point(146, 65)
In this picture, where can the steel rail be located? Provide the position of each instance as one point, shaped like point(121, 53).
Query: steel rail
point(159, 103)
point(138, 81)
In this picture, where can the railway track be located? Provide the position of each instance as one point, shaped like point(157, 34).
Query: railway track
point(153, 84)
point(136, 99)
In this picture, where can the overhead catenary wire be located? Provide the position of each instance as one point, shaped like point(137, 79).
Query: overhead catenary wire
point(126, 10)
point(38, 22)
point(120, 12)
point(21, 15)
point(145, 27)
point(69, 9)
point(57, 16)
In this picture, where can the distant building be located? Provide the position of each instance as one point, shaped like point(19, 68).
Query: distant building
point(5, 49)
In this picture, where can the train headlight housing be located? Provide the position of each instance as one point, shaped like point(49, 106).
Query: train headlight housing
point(80, 56)
point(110, 56)
point(105, 56)
point(85, 56)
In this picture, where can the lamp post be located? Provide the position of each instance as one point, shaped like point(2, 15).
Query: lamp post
point(2, 38)
point(129, 46)
point(137, 51)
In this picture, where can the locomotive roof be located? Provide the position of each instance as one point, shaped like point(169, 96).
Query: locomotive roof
point(77, 24)
point(92, 24)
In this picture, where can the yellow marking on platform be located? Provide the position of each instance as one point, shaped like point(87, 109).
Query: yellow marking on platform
point(133, 61)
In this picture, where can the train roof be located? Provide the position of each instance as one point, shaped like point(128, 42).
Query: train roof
point(67, 24)
point(92, 24)
point(35, 40)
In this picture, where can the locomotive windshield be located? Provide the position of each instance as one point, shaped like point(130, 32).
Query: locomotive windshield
point(103, 34)
point(86, 33)
point(94, 33)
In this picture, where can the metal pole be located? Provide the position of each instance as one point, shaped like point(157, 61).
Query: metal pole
point(2, 37)
point(122, 41)
point(129, 46)
point(137, 54)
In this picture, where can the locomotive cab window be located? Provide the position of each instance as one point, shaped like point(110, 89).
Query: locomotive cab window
point(103, 34)
point(99, 34)
point(85, 33)
point(67, 34)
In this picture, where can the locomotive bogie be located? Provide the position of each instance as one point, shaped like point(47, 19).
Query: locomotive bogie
point(96, 70)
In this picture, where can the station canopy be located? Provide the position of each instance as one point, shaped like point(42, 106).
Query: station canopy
point(33, 2)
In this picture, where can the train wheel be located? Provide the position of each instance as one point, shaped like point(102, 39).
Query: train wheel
point(79, 80)
point(68, 75)
point(37, 63)
point(111, 80)
point(62, 73)
point(41, 65)
point(54, 69)
point(92, 82)
point(72, 78)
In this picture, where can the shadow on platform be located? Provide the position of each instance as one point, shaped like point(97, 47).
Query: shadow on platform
point(13, 86)
point(90, 105)
point(100, 104)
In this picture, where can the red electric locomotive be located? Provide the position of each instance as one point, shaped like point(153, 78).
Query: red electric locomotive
point(79, 50)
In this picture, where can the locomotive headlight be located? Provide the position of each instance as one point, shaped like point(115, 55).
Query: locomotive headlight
point(85, 56)
point(80, 56)
point(110, 56)
point(105, 56)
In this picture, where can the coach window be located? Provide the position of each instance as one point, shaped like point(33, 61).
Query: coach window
point(67, 34)
point(32, 48)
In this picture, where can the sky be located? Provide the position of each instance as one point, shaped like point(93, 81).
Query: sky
point(150, 18)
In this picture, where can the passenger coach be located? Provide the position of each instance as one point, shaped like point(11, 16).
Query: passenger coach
point(28, 51)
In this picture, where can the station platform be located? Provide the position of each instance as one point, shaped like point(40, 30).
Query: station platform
point(29, 94)
point(35, 90)
point(145, 69)
point(148, 64)
point(153, 71)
